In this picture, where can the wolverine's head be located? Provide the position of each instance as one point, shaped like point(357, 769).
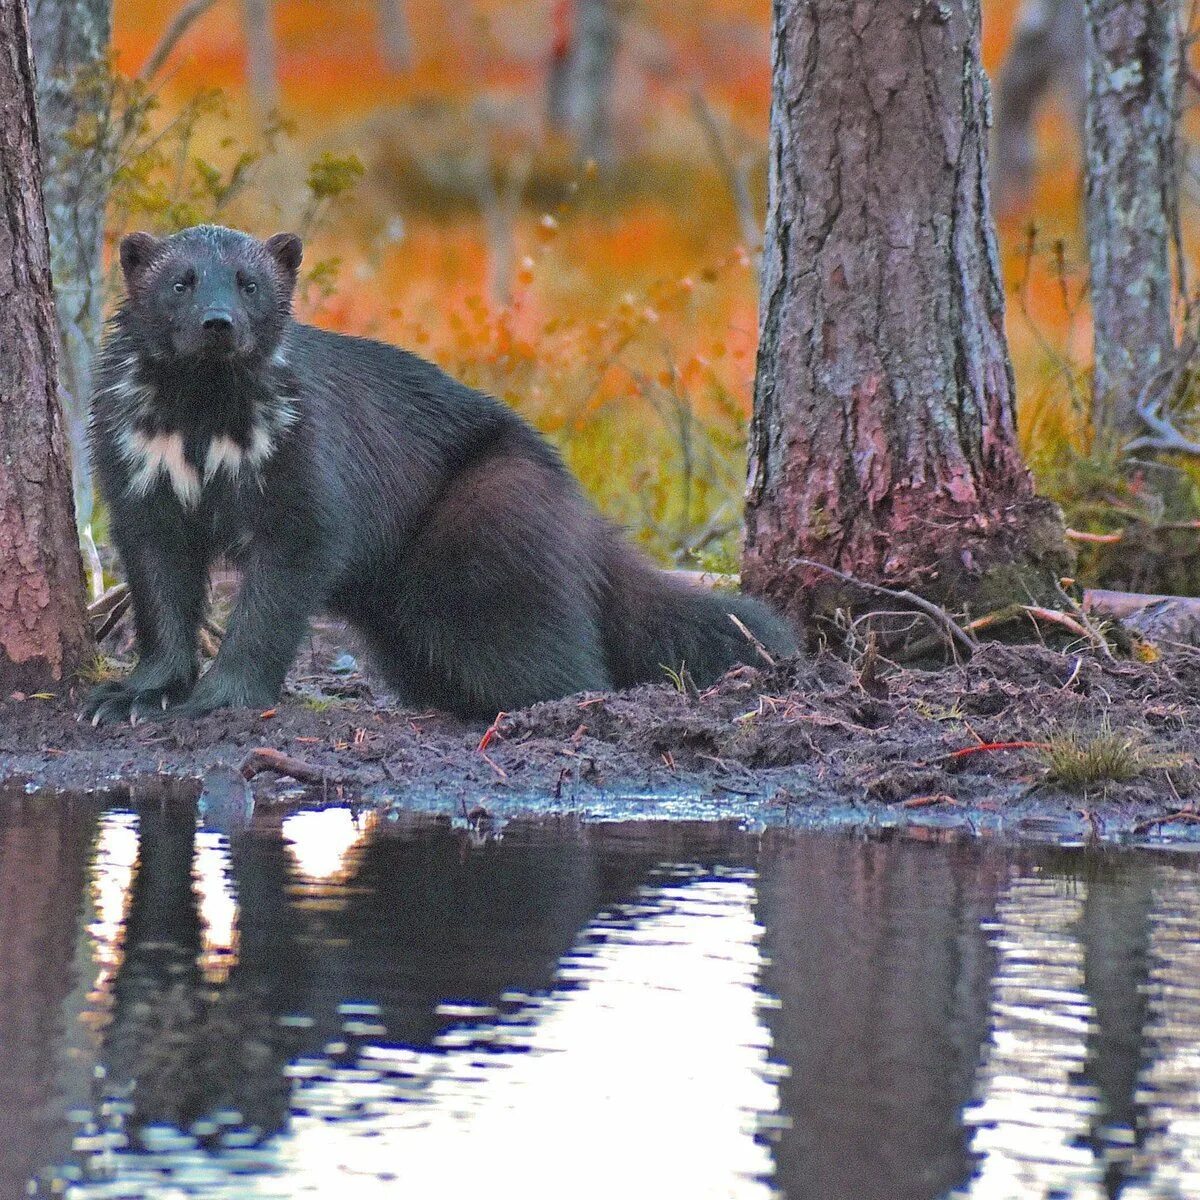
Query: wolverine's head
point(210, 292)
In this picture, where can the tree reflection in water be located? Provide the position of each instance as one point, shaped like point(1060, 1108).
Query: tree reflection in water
point(334, 1001)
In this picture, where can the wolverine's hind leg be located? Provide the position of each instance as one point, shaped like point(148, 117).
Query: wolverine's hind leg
point(497, 600)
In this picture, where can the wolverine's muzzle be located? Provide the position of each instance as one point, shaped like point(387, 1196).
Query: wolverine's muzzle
point(217, 324)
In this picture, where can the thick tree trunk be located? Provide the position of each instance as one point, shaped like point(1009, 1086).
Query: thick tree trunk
point(883, 441)
point(582, 69)
point(1133, 53)
point(43, 627)
point(1047, 50)
point(261, 69)
point(70, 48)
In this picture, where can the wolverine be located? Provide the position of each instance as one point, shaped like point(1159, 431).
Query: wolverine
point(345, 476)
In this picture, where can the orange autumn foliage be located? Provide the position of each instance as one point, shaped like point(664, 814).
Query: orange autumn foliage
point(635, 306)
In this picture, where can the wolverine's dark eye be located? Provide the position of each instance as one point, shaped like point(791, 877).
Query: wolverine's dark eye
point(180, 286)
point(249, 287)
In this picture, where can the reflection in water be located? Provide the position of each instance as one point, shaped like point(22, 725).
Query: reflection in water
point(320, 840)
point(667, 997)
point(218, 907)
point(1036, 1102)
point(44, 857)
point(876, 957)
point(1169, 1087)
point(334, 1005)
point(114, 859)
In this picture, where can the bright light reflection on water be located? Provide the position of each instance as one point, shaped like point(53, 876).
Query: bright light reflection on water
point(335, 1004)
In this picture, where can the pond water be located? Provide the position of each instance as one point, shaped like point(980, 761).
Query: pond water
point(335, 1004)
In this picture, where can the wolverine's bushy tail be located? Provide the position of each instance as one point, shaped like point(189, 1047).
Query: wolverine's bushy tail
point(652, 620)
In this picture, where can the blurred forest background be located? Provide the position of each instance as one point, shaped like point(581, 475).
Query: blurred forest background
point(462, 193)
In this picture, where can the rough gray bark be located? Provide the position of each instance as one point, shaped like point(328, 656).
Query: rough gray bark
point(43, 627)
point(1133, 55)
point(262, 75)
point(1047, 51)
point(581, 76)
point(883, 440)
point(394, 37)
point(70, 47)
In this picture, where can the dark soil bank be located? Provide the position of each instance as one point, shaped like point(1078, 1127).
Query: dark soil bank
point(803, 742)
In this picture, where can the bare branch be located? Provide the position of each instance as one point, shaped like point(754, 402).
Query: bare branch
point(181, 22)
point(734, 174)
point(1164, 435)
point(939, 616)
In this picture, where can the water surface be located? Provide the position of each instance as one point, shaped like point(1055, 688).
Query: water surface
point(336, 1004)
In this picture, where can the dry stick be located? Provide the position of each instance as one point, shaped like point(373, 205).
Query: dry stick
point(1037, 613)
point(1094, 539)
point(1164, 435)
point(1001, 616)
point(762, 650)
point(181, 22)
point(989, 746)
point(106, 603)
point(1184, 814)
point(266, 759)
point(1092, 634)
point(734, 178)
point(113, 617)
point(938, 615)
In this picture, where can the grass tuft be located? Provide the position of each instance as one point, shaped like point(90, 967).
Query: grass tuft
point(1079, 761)
point(98, 669)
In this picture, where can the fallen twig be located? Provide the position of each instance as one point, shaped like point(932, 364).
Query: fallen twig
point(1188, 816)
point(938, 615)
point(108, 601)
point(113, 617)
point(968, 750)
point(762, 650)
point(1053, 617)
point(267, 759)
point(1095, 539)
point(929, 801)
point(491, 734)
point(1090, 632)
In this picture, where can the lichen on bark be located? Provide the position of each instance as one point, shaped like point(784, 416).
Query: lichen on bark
point(1133, 59)
point(71, 46)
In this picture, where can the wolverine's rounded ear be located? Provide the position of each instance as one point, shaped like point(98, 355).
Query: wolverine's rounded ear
point(137, 251)
point(287, 250)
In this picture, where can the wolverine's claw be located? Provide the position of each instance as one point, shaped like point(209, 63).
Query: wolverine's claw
point(120, 702)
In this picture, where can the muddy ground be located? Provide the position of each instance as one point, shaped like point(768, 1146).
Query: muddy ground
point(804, 742)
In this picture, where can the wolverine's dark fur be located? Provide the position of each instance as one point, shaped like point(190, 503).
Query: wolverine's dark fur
point(347, 476)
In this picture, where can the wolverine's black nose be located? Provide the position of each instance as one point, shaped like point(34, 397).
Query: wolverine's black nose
point(218, 320)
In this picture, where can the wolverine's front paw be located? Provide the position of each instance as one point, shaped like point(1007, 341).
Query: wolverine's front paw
point(126, 701)
point(215, 692)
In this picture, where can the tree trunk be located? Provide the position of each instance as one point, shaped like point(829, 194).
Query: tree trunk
point(582, 68)
point(70, 48)
point(261, 70)
point(394, 37)
point(1047, 50)
point(43, 626)
point(883, 441)
point(1133, 52)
